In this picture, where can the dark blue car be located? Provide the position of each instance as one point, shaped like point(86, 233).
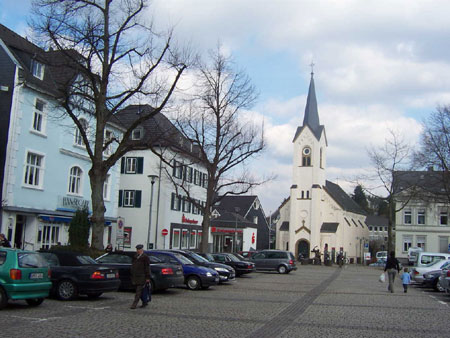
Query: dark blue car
point(195, 277)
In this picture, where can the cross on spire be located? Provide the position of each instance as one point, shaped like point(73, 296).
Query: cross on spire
point(312, 67)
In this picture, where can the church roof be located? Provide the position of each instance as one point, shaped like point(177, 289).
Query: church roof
point(311, 118)
point(341, 198)
point(329, 227)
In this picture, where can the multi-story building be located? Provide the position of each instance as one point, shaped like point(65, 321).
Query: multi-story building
point(44, 164)
point(153, 200)
point(423, 216)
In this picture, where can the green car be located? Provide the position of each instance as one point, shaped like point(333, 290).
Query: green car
point(23, 275)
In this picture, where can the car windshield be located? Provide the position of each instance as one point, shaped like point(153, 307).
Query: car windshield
point(239, 256)
point(209, 257)
point(31, 260)
point(86, 260)
point(115, 258)
point(197, 257)
point(234, 258)
point(182, 259)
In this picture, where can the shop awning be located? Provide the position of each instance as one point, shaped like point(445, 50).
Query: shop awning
point(55, 219)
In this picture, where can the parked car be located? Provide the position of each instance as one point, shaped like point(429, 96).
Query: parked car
point(163, 275)
point(226, 273)
point(247, 254)
point(274, 260)
point(379, 263)
point(24, 275)
point(444, 280)
point(412, 254)
point(195, 276)
point(431, 280)
point(418, 272)
point(381, 255)
point(74, 274)
point(241, 267)
point(425, 258)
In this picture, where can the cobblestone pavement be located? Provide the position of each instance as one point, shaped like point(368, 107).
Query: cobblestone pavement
point(314, 301)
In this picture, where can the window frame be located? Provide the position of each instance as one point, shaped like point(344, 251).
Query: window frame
point(129, 198)
point(37, 69)
point(421, 217)
point(39, 114)
point(39, 168)
point(75, 181)
point(407, 217)
point(78, 141)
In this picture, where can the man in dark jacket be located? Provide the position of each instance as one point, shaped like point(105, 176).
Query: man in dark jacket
point(392, 267)
point(4, 241)
point(140, 275)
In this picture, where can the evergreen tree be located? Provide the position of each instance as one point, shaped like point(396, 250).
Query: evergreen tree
point(360, 197)
point(79, 229)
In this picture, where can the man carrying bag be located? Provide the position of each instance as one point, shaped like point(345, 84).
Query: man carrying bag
point(140, 277)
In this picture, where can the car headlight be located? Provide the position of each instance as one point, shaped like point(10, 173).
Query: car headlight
point(209, 274)
point(221, 269)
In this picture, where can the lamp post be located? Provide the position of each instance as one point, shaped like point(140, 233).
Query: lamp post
point(152, 181)
point(236, 209)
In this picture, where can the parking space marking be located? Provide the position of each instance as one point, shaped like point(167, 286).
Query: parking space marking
point(37, 320)
point(88, 307)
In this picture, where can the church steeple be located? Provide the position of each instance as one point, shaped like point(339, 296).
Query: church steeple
point(311, 118)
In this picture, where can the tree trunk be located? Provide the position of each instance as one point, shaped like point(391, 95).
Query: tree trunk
point(205, 231)
point(97, 178)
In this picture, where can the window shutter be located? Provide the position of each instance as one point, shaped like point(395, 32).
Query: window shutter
point(120, 197)
point(122, 165)
point(140, 165)
point(172, 202)
point(174, 168)
point(137, 198)
point(179, 202)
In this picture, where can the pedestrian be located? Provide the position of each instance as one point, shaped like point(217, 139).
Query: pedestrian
point(140, 276)
point(392, 267)
point(4, 241)
point(109, 248)
point(406, 279)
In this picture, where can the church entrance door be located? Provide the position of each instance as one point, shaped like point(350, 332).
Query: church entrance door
point(303, 248)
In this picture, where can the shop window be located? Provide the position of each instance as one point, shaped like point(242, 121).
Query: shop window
point(176, 239)
point(199, 238)
point(184, 239)
point(192, 239)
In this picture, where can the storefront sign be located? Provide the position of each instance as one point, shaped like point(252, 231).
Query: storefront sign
point(187, 220)
point(71, 203)
point(224, 230)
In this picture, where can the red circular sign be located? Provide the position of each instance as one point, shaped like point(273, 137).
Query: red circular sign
point(164, 232)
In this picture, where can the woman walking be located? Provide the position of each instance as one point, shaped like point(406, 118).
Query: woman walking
point(392, 267)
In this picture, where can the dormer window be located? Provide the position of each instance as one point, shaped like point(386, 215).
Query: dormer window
point(37, 69)
point(137, 134)
point(306, 157)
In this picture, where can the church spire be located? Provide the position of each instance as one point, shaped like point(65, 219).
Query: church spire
point(311, 113)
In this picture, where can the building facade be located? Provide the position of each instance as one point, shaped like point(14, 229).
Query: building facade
point(44, 162)
point(318, 215)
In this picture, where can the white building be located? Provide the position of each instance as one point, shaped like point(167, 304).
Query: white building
point(424, 220)
point(318, 214)
point(159, 215)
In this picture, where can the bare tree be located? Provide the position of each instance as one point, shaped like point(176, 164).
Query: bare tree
point(221, 138)
point(110, 57)
point(434, 149)
point(392, 164)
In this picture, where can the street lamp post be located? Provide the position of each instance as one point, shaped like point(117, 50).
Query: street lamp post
point(236, 209)
point(152, 181)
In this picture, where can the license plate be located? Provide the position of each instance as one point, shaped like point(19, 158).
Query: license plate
point(110, 275)
point(178, 272)
point(217, 279)
point(36, 275)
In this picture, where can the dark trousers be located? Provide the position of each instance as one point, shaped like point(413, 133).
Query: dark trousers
point(405, 287)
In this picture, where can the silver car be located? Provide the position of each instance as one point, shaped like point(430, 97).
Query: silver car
point(274, 260)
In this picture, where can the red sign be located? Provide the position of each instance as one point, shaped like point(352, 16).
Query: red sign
point(253, 238)
point(164, 232)
point(187, 220)
point(229, 231)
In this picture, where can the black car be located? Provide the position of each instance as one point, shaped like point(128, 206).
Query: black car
point(226, 272)
point(163, 275)
point(241, 267)
point(74, 274)
point(431, 279)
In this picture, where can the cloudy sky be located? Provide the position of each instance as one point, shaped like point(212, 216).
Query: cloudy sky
point(379, 65)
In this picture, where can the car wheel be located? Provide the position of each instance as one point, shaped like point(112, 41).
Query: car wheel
point(3, 299)
point(34, 301)
point(282, 269)
point(193, 283)
point(152, 286)
point(94, 295)
point(66, 290)
point(438, 286)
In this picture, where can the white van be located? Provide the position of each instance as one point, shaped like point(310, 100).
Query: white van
point(412, 254)
point(424, 258)
point(381, 255)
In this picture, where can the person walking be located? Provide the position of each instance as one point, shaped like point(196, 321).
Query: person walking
point(140, 276)
point(392, 267)
point(406, 279)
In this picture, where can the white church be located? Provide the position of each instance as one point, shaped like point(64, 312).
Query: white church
point(318, 213)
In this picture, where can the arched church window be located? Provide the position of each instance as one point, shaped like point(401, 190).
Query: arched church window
point(303, 194)
point(307, 193)
point(306, 157)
